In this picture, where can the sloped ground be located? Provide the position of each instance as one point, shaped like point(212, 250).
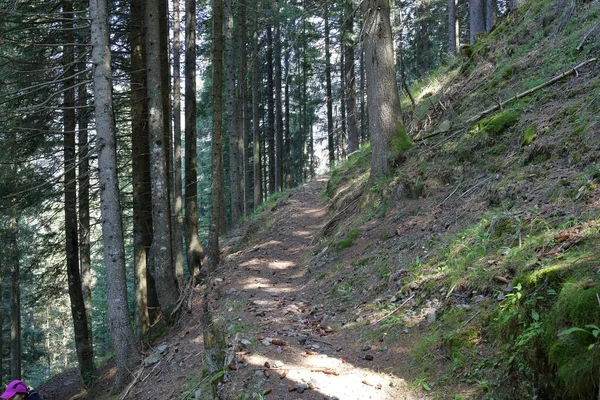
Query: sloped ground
point(472, 272)
point(292, 343)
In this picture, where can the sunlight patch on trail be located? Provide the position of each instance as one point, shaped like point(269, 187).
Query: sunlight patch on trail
point(326, 375)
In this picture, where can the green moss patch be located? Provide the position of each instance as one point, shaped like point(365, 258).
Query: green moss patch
point(496, 124)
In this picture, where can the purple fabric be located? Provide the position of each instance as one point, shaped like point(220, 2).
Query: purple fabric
point(13, 388)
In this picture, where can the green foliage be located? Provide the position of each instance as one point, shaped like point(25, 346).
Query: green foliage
point(349, 240)
point(529, 135)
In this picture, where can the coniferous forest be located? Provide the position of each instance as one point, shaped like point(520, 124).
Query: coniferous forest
point(137, 136)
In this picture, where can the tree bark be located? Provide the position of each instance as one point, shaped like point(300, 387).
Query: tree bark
point(164, 274)
point(287, 138)
point(146, 300)
point(83, 343)
point(270, 112)
point(126, 353)
point(279, 148)
point(217, 152)
point(194, 247)
point(232, 114)
point(490, 13)
point(383, 106)
point(83, 195)
point(476, 19)
point(328, 90)
point(256, 156)
point(349, 76)
point(453, 27)
point(177, 204)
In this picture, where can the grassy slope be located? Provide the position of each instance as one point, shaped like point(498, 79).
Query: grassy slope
point(493, 226)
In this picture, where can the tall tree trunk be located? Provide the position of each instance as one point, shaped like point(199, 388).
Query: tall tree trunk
point(328, 90)
point(177, 175)
point(217, 152)
point(490, 14)
point(164, 274)
point(146, 301)
point(349, 76)
point(278, 103)
point(245, 107)
point(385, 121)
point(15, 297)
point(270, 111)
point(126, 352)
point(83, 195)
point(233, 109)
point(342, 138)
point(288, 137)
point(364, 132)
point(453, 27)
point(192, 240)
point(256, 154)
point(476, 19)
point(83, 343)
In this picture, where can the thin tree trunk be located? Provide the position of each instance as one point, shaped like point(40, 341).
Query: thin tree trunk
point(364, 134)
point(328, 90)
point(349, 77)
point(279, 148)
point(342, 140)
point(83, 344)
point(288, 138)
point(195, 251)
point(217, 152)
point(177, 174)
point(164, 274)
point(245, 108)
point(270, 111)
point(453, 27)
point(83, 197)
point(126, 352)
point(256, 156)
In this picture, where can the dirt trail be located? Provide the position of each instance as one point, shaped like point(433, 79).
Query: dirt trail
point(269, 300)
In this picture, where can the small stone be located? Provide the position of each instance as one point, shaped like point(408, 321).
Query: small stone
point(302, 339)
point(501, 297)
point(368, 357)
point(245, 342)
point(161, 349)
point(301, 387)
point(278, 364)
point(431, 318)
point(366, 347)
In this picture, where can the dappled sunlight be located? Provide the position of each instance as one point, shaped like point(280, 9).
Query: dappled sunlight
point(278, 264)
point(329, 376)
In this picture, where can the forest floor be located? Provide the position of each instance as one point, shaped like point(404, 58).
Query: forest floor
point(291, 339)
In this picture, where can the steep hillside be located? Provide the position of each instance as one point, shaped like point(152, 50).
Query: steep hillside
point(472, 272)
point(490, 227)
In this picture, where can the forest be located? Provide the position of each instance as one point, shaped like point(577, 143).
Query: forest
point(145, 144)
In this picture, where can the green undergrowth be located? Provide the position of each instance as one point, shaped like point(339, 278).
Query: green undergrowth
point(517, 269)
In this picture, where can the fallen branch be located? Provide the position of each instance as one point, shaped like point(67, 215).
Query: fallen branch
point(530, 91)
point(587, 35)
point(136, 378)
point(392, 312)
point(450, 195)
point(471, 319)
